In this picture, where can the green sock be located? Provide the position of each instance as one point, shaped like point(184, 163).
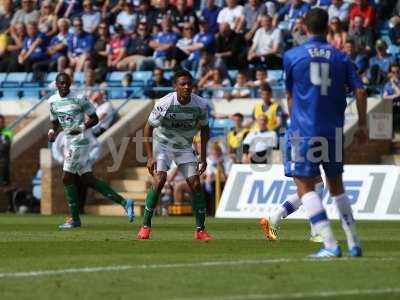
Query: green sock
point(71, 193)
point(104, 189)
point(151, 202)
point(199, 209)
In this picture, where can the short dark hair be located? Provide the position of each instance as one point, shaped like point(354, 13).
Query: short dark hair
point(265, 87)
point(238, 115)
point(182, 73)
point(316, 21)
point(62, 74)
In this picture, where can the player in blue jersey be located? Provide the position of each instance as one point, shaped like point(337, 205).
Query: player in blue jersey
point(318, 77)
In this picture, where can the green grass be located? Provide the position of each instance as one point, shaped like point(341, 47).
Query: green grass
point(33, 243)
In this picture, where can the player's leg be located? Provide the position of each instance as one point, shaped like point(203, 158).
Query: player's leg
point(72, 197)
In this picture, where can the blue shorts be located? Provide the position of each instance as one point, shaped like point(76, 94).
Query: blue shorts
point(303, 157)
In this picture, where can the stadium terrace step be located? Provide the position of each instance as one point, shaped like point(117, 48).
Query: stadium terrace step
point(129, 185)
point(111, 209)
point(393, 159)
point(139, 173)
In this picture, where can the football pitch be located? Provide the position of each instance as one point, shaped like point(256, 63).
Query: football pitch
point(102, 260)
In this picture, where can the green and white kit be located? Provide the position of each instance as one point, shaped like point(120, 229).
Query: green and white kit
point(70, 112)
point(175, 125)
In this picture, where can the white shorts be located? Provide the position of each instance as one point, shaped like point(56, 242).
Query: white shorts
point(77, 160)
point(186, 161)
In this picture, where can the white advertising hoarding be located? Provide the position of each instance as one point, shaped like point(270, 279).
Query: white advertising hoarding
point(256, 191)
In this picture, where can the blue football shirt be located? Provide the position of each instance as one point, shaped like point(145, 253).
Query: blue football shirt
point(318, 76)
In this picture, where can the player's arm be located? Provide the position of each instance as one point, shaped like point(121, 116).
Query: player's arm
point(204, 137)
point(148, 147)
point(289, 102)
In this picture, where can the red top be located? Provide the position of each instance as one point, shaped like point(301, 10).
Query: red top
point(367, 13)
point(117, 43)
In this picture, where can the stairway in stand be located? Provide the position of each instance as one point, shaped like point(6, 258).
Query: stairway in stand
point(394, 157)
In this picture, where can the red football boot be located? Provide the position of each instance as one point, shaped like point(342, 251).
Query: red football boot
point(144, 233)
point(202, 235)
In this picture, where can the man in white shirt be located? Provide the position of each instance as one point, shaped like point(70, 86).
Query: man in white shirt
point(339, 9)
point(266, 45)
point(231, 14)
point(259, 143)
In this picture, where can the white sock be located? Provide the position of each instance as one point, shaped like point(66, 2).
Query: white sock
point(319, 189)
point(288, 207)
point(318, 218)
point(347, 220)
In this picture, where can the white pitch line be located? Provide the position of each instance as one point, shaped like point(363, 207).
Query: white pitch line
point(322, 294)
point(176, 265)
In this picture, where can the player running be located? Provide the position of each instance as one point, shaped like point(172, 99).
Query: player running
point(68, 110)
point(317, 78)
point(174, 122)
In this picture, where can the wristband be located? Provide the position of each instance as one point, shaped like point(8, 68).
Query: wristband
point(51, 131)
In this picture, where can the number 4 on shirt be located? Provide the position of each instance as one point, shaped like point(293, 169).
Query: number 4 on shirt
point(319, 75)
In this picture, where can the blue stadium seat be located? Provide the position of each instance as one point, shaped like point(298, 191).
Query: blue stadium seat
point(50, 77)
point(386, 39)
point(144, 76)
point(79, 77)
point(10, 90)
point(275, 74)
point(116, 76)
point(18, 77)
point(3, 77)
point(168, 75)
point(232, 74)
point(222, 123)
point(394, 50)
point(29, 77)
point(30, 90)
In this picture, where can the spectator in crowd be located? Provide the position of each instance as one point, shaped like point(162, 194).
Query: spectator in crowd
point(240, 89)
point(379, 64)
point(235, 137)
point(258, 143)
point(26, 14)
point(158, 81)
point(362, 37)
point(251, 12)
point(339, 9)
point(229, 47)
point(292, 10)
point(183, 15)
point(5, 151)
point(68, 8)
point(391, 92)
point(58, 48)
point(6, 15)
point(231, 14)
point(359, 60)
point(298, 34)
point(268, 107)
point(15, 43)
point(367, 13)
point(261, 77)
point(164, 10)
point(117, 48)
point(80, 46)
point(394, 32)
point(164, 45)
point(104, 110)
point(147, 14)
point(126, 83)
point(208, 62)
point(99, 55)
point(91, 17)
point(214, 81)
point(185, 43)
point(210, 14)
point(127, 17)
point(47, 23)
point(267, 45)
point(336, 35)
point(33, 51)
point(138, 51)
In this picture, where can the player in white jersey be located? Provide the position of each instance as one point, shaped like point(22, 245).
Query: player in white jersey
point(67, 112)
point(174, 121)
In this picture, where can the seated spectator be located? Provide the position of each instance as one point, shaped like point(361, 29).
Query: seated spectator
point(182, 16)
point(209, 62)
point(138, 52)
point(235, 137)
point(261, 77)
point(394, 32)
point(9, 62)
point(127, 17)
point(117, 48)
point(104, 110)
point(298, 34)
point(267, 45)
point(229, 47)
point(68, 8)
point(158, 81)
point(91, 17)
point(33, 51)
point(362, 37)
point(26, 14)
point(89, 85)
point(6, 15)
point(391, 92)
point(231, 14)
point(250, 18)
point(147, 14)
point(379, 64)
point(99, 55)
point(213, 80)
point(126, 83)
point(240, 89)
point(336, 35)
point(210, 14)
point(367, 13)
point(292, 10)
point(202, 40)
point(164, 45)
point(339, 9)
point(48, 20)
point(268, 107)
point(185, 43)
point(80, 46)
point(359, 60)
point(164, 9)
point(259, 143)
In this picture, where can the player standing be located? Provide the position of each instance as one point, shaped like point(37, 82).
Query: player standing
point(173, 123)
point(317, 78)
point(68, 110)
